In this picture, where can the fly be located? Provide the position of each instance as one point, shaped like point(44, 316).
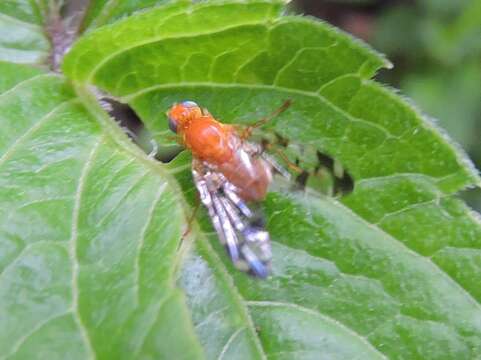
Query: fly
point(229, 173)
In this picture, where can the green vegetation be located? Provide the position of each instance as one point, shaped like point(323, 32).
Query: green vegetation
point(92, 259)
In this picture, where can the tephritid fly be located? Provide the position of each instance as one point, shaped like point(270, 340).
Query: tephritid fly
point(229, 173)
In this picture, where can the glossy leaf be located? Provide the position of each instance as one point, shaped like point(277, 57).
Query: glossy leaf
point(389, 271)
point(384, 266)
point(85, 218)
point(22, 36)
point(101, 12)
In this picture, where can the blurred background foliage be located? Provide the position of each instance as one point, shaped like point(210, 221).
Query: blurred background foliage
point(435, 46)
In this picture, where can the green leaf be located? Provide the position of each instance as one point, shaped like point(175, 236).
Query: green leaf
point(101, 12)
point(386, 262)
point(22, 37)
point(85, 218)
point(92, 253)
point(257, 74)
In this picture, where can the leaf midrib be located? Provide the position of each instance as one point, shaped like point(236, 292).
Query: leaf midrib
point(73, 247)
point(109, 126)
point(223, 275)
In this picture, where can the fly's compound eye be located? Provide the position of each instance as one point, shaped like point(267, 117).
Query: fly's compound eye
point(172, 125)
point(189, 104)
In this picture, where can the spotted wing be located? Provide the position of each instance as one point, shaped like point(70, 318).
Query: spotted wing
point(240, 229)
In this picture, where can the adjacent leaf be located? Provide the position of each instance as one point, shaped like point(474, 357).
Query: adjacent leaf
point(22, 37)
point(443, 32)
point(392, 269)
point(461, 36)
point(89, 232)
point(101, 12)
point(451, 96)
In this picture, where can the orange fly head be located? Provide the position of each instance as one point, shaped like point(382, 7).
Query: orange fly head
point(181, 114)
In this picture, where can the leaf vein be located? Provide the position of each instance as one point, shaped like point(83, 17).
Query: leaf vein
point(21, 23)
point(23, 83)
point(39, 201)
point(161, 303)
point(38, 124)
point(402, 175)
point(148, 221)
point(212, 314)
point(73, 248)
point(132, 96)
point(229, 341)
point(313, 312)
point(163, 38)
point(332, 81)
point(296, 56)
point(32, 332)
point(136, 182)
point(179, 169)
point(461, 248)
point(434, 201)
point(237, 299)
point(22, 253)
point(469, 297)
point(104, 13)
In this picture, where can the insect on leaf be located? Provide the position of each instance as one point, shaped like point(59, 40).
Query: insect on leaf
point(91, 251)
point(384, 261)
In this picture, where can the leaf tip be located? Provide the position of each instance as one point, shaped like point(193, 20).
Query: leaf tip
point(387, 63)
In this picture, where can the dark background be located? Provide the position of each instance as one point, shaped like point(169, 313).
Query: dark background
point(435, 46)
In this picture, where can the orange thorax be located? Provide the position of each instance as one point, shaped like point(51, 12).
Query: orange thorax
point(220, 146)
point(209, 140)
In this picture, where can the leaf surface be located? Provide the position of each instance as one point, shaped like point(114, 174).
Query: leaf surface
point(383, 266)
point(22, 36)
point(101, 12)
point(84, 219)
point(389, 271)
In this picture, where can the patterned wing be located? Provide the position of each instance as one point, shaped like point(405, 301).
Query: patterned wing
point(240, 229)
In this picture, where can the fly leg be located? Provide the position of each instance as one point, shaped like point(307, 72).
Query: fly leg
point(174, 138)
point(260, 151)
point(196, 167)
point(192, 216)
point(301, 175)
point(247, 131)
point(291, 165)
